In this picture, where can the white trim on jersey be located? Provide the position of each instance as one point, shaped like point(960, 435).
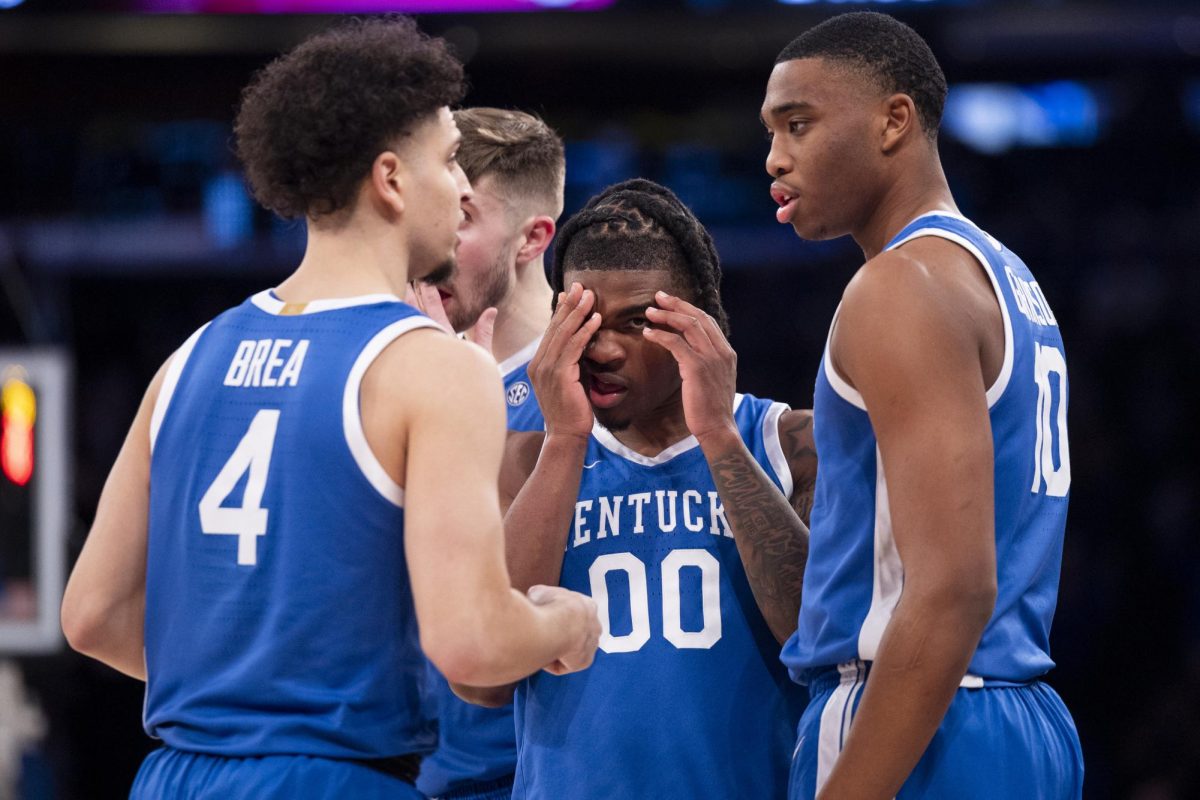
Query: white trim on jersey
point(997, 388)
point(609, 442)
point(170, 380)
point(774, 446)
point(836, 718)
point(840, 385)
point(887, 571)
point(519, 358)
point(356, 439)
point(268, 302)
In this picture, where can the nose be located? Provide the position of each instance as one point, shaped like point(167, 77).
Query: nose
point(605, 350)
point(464, 185)
point(778, 161)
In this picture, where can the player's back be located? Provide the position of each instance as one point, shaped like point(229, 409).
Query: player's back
point(854, 577)
point(280, 616)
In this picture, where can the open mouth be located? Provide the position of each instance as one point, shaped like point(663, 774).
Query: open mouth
point(604, 392)
point(786, 198)
point(442, 293)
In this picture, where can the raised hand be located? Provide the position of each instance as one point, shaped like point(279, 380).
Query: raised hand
point(554, 368)
point(585, 622)
point(707, 364)
point(425, 298)
point(481, 332)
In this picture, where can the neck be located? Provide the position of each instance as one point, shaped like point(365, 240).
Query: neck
point(355, 258)
point(525, 311)
point(922, 190)
point(658, 430)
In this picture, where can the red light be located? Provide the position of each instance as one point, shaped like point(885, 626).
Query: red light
point(18, 410)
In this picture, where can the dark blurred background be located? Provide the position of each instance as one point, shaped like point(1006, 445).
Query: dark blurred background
point(1071, 134)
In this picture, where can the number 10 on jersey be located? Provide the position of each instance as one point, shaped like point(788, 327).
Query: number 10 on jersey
point(249, 521)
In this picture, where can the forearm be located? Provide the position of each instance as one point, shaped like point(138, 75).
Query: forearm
point(519, 638)
point(922, 658)
point(112, 633)
point(536, 525)
point(771, 539)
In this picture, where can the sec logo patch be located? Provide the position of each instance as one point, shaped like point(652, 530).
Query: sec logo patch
point(518, 393)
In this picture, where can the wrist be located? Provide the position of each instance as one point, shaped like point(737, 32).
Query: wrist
point(720, 439)
point(564, 442)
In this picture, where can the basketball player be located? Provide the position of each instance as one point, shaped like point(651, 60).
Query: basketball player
point(673, 499)
point(251, 557)
point(516, 167)
point(940, 408)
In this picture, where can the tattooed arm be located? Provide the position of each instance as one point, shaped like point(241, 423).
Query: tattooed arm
point(796, 435)
point(771, 539)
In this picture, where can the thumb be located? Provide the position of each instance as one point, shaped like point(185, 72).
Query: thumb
point(482, 331)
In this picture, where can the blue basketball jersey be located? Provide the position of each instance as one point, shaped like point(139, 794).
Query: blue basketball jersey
point(477, 747)
point(854, 576)
point(524, 413)
point(279, 613)
point(686, 697)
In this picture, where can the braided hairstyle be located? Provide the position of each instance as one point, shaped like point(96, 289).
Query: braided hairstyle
point(639, 224)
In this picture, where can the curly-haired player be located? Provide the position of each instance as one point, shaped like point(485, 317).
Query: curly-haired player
point(675, 502)
point(295, 494)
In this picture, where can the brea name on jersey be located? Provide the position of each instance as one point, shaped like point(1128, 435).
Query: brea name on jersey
point(267, 362)
point(684, 512)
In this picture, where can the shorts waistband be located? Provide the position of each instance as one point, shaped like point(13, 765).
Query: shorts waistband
point(826, 679)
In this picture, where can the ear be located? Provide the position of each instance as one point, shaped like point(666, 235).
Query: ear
point(900, 121)
point(387, 182)
point(538, 232)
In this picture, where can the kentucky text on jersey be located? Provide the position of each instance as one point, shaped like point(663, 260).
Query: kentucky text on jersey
point(687, 672)
point(609, 515)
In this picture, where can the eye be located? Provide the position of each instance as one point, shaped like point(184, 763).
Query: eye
point(637, 322)
point(769, 135)
point(795, 125)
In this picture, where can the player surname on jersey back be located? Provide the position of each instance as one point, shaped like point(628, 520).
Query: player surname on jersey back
point(1030, 300)
point(267, 362)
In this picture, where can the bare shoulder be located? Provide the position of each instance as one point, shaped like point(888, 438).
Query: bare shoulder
point(429, 357)
point(927, 288)
point(429, 383)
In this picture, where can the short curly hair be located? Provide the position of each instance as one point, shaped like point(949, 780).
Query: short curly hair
point(890, 52)
point(312, 122)
point(639, 224)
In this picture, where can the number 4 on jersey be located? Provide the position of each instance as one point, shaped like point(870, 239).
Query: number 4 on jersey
point(248, 522)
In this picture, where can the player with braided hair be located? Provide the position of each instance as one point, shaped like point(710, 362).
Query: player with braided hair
point(658, 226)
point(678, 503)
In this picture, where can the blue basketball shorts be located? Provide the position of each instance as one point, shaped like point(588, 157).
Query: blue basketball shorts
point(1015, 742)
point(170, 774)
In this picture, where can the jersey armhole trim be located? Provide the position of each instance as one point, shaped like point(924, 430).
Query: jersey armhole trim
point(996, 390)
point(841, 387)
point(170, 381)
point(356, 438)
point(774, 447)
